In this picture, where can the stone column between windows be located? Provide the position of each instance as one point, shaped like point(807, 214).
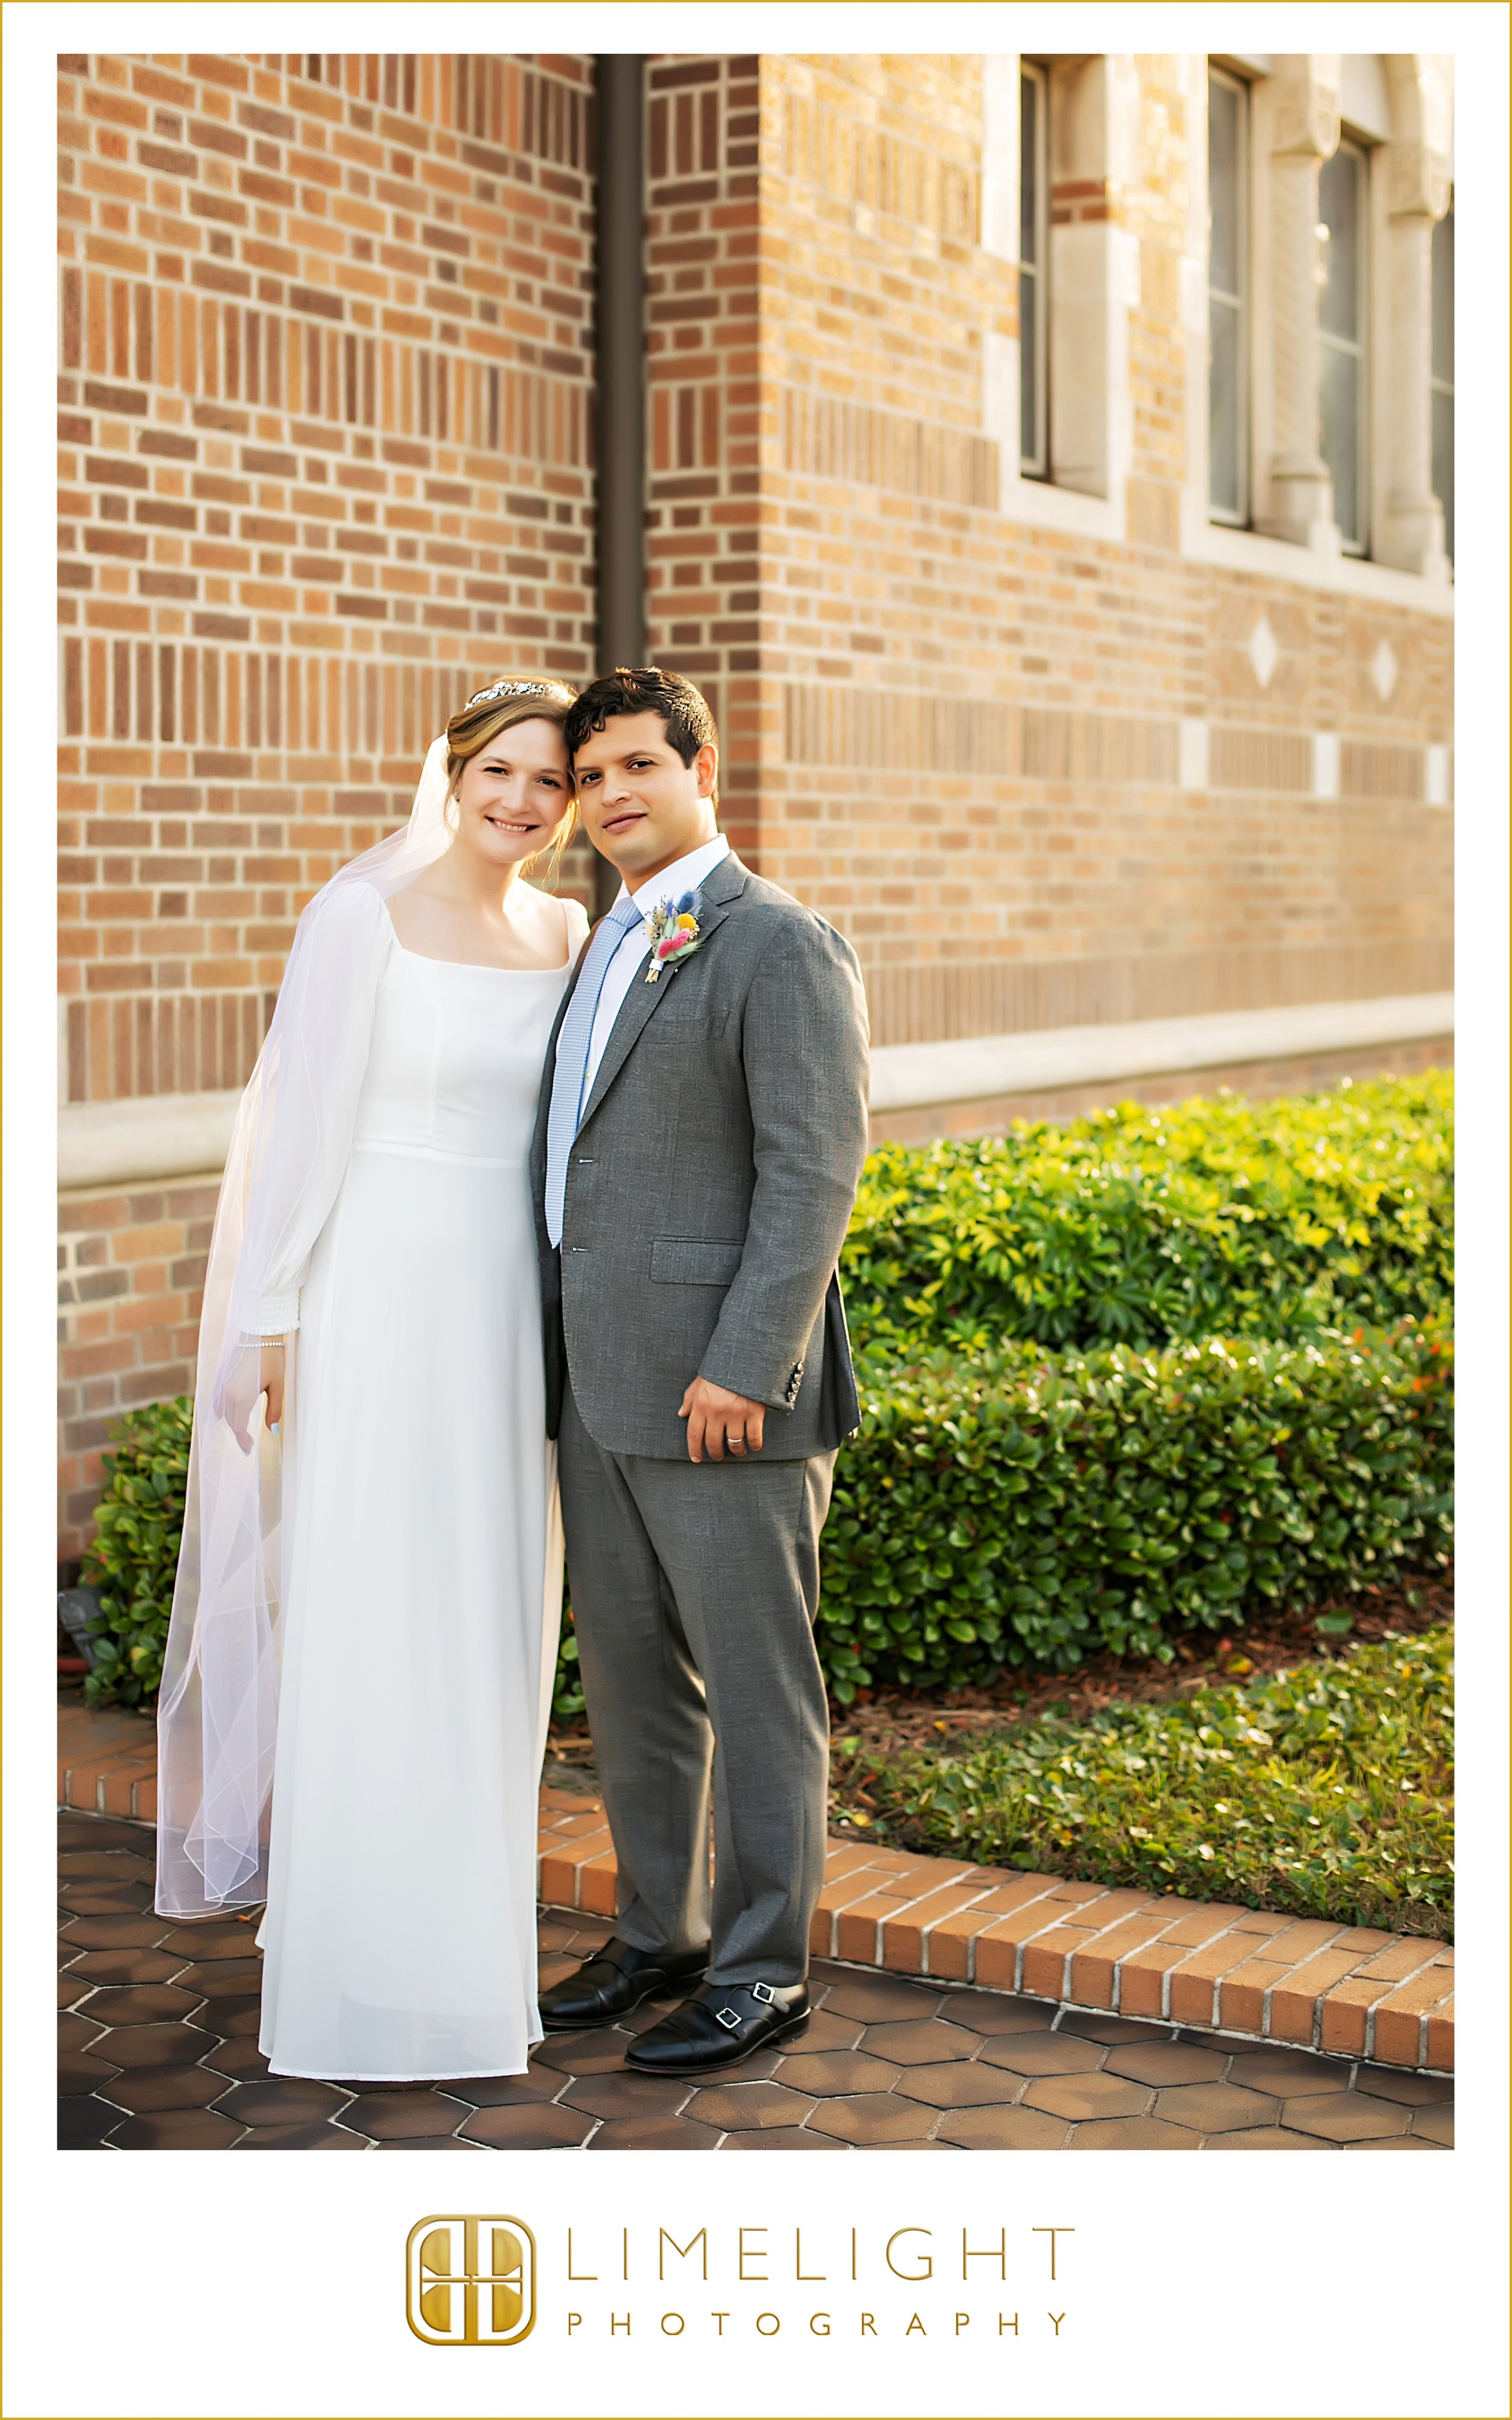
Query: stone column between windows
point(1304, 126)
point(1093, 268)
point(1417, 194)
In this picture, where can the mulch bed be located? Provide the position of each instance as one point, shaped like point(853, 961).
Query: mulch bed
point(882, 1722)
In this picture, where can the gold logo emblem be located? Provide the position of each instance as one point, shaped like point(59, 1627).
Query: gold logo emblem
point(470, 2281)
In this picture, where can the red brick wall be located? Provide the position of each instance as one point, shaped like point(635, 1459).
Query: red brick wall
point(324, 467)
point(704, 404)
point(130, 1265)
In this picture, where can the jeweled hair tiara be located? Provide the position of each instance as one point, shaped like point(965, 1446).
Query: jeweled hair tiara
point(519, 689)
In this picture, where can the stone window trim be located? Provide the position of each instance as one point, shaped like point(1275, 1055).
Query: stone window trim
point(1346, 336)
point(1297, 121)
point(1442, 380)
point(1093, 282)
point(1228, 304)
point(1034, 269)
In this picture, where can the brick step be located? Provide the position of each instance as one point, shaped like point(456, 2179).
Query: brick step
point(1345, 1990)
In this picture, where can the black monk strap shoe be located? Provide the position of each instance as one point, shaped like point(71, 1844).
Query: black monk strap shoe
point(722, 2025)
point(615, 1980)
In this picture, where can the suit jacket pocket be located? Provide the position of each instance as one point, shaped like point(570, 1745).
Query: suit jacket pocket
point(676, 1259)
point(689, 1020)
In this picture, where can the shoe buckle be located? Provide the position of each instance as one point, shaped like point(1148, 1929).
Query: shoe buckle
point(764, 1992)
point(729, 2019)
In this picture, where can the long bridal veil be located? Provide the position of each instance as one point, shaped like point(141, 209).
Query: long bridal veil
point(217, 1710)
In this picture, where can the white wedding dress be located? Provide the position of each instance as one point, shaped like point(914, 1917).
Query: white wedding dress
point(421, 1549)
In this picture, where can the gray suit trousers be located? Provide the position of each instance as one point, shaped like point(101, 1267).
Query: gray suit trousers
point(694, 1592)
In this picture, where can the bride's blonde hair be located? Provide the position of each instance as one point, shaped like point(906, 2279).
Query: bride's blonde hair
point(475, 725)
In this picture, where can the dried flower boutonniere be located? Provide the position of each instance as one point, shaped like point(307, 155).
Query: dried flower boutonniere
point(674, 927)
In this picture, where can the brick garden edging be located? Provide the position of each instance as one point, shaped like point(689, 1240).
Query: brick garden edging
point(107, 1763)
point(1339, 1989)
point(1326, 1987)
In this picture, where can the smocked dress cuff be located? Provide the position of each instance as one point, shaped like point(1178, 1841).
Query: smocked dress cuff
point(277, 1314)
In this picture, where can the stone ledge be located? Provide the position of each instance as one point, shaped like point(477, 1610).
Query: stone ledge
point(127, 1142)
point(922, 1075)
point(187, 1134)
point(1339, 1989)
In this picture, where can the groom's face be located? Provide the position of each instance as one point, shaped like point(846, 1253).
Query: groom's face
point(642, 806)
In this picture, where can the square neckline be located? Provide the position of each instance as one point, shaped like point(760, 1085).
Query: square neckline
point(479, 966)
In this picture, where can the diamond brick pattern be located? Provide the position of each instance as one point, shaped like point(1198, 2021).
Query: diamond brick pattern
point(889, 2061)
point(1262, 651)
point(1385, 671)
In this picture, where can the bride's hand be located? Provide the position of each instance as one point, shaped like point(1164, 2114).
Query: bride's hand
point(254, 1375)
point(274, 1361)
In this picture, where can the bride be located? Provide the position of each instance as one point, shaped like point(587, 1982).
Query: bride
point(359, 1664)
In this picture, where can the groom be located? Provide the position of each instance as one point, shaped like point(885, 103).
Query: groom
point(701, 1135)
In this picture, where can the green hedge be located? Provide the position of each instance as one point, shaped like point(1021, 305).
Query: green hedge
point(1137, 1226)
point(1025, 1508)
point(1010, 1508)
point(133, 1555)
point(1323, 1790)
point(1075, 1434)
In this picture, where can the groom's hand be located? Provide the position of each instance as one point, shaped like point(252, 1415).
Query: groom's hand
point(716, 1418)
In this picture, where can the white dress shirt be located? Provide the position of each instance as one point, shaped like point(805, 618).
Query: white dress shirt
point(635, 949)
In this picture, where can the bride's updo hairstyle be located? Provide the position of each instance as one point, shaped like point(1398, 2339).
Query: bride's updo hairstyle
point(476, 725)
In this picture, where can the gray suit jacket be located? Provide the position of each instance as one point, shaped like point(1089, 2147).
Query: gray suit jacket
point(711, 1185)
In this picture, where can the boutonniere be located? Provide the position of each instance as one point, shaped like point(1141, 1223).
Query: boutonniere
point(673, 928)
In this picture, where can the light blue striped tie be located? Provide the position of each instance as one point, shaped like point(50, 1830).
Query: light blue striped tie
point(572, 1057)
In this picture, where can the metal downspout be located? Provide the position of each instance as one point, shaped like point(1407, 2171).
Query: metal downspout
point(621, 378)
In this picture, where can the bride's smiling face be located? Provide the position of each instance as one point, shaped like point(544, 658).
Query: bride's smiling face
point(512, 796)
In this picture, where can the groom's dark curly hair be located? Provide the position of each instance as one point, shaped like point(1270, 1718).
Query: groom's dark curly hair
point(644, 689)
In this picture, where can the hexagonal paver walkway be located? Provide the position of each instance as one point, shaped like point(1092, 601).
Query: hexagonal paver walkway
point(1310, 1984)
point(158, 2051)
